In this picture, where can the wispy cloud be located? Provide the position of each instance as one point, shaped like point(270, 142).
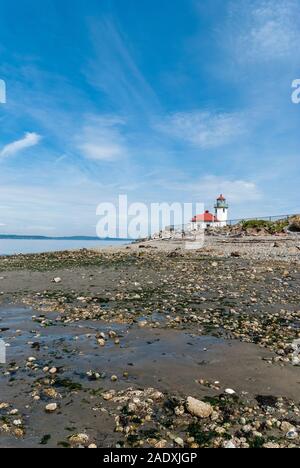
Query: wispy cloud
point(269, 31)
point(101, 139)
point(115, 72)
point(29, 140)
point(206, 188)
point(204, 129)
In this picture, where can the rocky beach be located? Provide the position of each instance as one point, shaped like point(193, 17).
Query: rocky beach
point(153, 345)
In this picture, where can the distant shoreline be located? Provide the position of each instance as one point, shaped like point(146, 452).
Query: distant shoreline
point(70, 238)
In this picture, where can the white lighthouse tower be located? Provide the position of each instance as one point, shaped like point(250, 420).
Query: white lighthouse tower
point(221, 209)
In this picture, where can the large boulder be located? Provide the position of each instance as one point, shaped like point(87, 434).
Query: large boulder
point(199, 408)
point(294, 225)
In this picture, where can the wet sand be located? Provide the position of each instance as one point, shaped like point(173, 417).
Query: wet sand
point(170, 327)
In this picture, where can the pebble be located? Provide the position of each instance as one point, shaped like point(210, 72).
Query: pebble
point(229, 445)
point(292, 435)
point(286, 427)
point(17, 422)
point(31, 359)
point(143, 324)
point(51, 408)
point(79, 439)
point(179, 441)
point(229, 391)
point(271, 445)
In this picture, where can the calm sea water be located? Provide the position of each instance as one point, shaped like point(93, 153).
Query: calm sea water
point(12, 246)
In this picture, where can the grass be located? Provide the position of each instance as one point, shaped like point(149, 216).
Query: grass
point(272, 227)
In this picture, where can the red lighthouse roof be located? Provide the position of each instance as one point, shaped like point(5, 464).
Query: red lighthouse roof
point(221, 198)
point(206, 217)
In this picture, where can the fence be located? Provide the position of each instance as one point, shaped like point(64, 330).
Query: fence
point(179, 229)
point(232, 222)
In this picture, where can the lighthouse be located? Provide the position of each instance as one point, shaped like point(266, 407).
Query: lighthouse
point(221, 210)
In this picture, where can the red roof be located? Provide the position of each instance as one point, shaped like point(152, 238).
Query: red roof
point(206, 217)
point(221, 198)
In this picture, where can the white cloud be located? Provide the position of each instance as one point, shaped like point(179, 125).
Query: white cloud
point(101, 150)
point(29, 140)
point(204, 129)
point(268, 31)
point(101, 139)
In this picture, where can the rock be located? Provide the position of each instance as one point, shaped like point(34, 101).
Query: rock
point(92, 446)
point(271, 445)
point(179, 442)
point(286, 427)
point(174, 255)
point(294, 224)
point(56, 280)
point(93, 375)
point(235, 254)
point(199, 408)
point(50, 392)
point(229, 391)
point(108, 395)
point(143, 323)
point(4, 406)
point(296, 361)
point(292, 435)
point(161, 444)
point(79, 439)
point(17, 422)
point(101, 342)
point(31, 359)
point(229, 445)
point(51, 408)
point(179, 410)
point(53, 370)
point(247, 429)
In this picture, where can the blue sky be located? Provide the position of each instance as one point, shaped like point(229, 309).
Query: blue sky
point(161, 100)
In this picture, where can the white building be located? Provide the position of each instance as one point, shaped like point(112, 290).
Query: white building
point(207, 220)
point(221, 211)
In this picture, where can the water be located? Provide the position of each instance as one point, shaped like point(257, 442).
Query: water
point(27, 246)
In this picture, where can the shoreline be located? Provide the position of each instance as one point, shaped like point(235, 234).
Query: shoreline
point(134, 331)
